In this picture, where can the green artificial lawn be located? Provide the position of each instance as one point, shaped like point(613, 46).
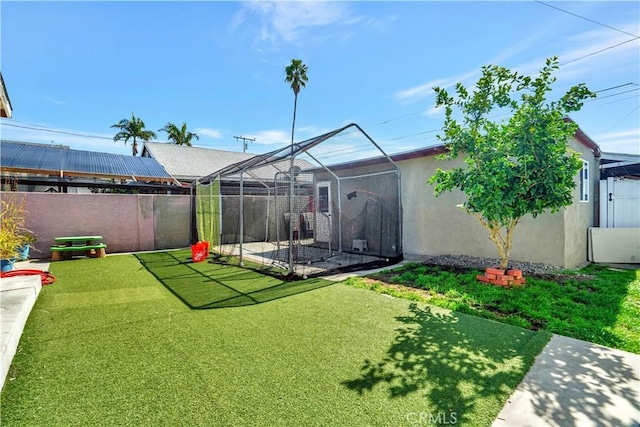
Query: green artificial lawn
point(109, 345)
point(596, 304)
point(204, 285)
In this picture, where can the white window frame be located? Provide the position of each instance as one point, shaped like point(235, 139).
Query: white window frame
point(584, 182)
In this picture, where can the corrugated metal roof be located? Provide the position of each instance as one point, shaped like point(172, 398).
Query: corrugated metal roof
point(189, 163)
point(42, 159)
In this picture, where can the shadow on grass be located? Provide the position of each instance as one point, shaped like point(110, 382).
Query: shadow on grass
point(205, 285)
point(597, 305)
point(454, 361)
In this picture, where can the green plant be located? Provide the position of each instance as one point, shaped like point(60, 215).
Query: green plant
point(179, 135)
point(595, 304)
point(297, 77)
point(518, 166)
point(13, 234)
point(133, 129)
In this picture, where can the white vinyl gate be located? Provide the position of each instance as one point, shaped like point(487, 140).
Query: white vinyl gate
point(619, 203)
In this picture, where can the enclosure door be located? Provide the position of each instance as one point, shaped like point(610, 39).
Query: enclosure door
point(323, 211)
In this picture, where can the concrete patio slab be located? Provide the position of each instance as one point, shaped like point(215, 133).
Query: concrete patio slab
point(576, 383)
point(17, 297)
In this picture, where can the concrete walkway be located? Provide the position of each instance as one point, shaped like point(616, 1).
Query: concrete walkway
point(576, 383)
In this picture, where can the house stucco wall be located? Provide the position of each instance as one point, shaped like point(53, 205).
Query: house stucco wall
point(127, 222)
point(579, 216)
point(436, 226)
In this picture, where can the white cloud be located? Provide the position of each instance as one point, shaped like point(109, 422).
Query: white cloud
point(211, 133)
point(426, 89)
point(288, 20)
point(271, 137)
point(626, 141)
point(435, 112)
point(53, 100)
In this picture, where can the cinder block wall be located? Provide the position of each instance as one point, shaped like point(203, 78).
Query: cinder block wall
point(127, 222)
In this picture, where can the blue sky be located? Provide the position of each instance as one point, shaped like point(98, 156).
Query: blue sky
point(76, 68)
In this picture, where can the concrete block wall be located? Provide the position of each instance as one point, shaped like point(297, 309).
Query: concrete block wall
point(127, 222)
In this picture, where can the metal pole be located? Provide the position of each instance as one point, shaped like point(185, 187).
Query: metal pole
point(219, 212)
point(339, 216)
point(291, 190)
point(241, 215)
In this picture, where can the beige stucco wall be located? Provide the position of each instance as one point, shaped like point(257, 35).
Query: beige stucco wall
point(614, 245)
point(127, 222)
point(580, 215)
point(436, 226)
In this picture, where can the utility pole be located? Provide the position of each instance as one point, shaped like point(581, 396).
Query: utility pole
point(244, 142)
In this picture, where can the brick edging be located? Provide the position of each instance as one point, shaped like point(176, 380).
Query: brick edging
point(506, 278)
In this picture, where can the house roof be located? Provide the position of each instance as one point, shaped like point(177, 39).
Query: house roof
point(433, 150)
point(619, 165)
point(584, 139)
point(190, 163)
point(41, 159)
point(5, 103)
point(266, 166)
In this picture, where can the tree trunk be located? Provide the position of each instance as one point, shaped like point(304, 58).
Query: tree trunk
point(293, 126)
point(503, 244)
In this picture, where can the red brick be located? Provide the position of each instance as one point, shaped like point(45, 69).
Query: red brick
point(504, 277)
point(482, 278)
point(517, 274)
point(499, 282)
point(519, 282)
point(494, 270)
point(490, 276)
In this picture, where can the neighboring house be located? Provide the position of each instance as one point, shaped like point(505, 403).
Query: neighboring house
point(616, 237)
point(42, 167)
point(5, 103)
point(187, 164)
point(619, 190)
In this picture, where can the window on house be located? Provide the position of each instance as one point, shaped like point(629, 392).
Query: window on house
point(584, 182)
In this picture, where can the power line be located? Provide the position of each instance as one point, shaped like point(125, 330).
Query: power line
point(616, 87)
point(401, 117)
point(55, 131)
point(624, 118)
point(586, 19)
point(33, 127)
point(614, 94)
point(618, 100)
point(599, 51)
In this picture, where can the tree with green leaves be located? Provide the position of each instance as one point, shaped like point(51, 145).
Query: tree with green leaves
point(517, 166)
point(297, 78)
point(179, 135)
point(133, 129)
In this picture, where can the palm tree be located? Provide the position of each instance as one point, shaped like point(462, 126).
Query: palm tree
point(297, 77)
point(132, 129)
point(179, 136)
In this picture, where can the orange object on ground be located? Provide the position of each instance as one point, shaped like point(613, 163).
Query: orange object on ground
point(199, 251)
point(46, 277)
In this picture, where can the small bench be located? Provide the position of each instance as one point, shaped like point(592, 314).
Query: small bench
point(68, 245)
point(93, 251)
